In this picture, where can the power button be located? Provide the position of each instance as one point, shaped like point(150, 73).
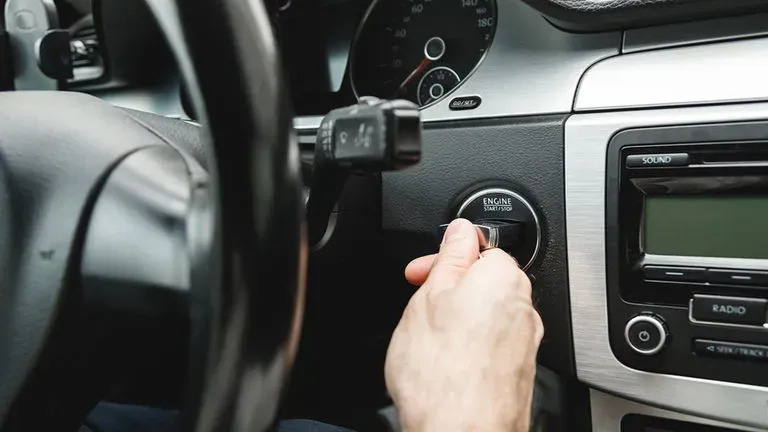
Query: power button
point(646, 334)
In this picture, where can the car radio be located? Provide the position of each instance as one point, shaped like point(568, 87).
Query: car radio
point(693, 214)
point(687, 250)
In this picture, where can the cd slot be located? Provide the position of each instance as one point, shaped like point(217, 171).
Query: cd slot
point(742, 154)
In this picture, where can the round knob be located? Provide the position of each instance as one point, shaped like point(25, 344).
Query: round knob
point(510, 214)
point(646, 334)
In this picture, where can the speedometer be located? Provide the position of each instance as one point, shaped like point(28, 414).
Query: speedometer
point(420, 50)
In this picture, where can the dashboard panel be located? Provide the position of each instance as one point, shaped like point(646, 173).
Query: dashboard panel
point(525, 67)
point(586, 141)
point(420, 50)
point(529, 68)
point(723, 72)
point(549, 102)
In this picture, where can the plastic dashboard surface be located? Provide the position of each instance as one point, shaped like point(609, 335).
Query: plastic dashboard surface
point(459, 157)
point(596, 15)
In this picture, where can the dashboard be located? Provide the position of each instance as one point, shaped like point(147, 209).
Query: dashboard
point(420, 51)
point(482, 51)
point(550, 101)
point(389, 59)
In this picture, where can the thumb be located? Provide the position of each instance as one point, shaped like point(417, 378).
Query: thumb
point(459, 250)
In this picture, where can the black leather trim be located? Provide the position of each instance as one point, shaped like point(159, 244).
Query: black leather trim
point(180, 134)
point(603, 15)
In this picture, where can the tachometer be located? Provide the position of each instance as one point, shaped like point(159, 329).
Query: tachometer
point(420, 50)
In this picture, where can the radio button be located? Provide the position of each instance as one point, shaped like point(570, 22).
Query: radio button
point(657, 160)
point(676, 274)
point(737, 277)
point(732, 310)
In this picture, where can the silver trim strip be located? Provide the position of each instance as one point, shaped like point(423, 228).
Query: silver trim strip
point(307, 124)
point(746, 264)
point(607, 412)
point(586, 139)
point(692, 75)
point(695, 32)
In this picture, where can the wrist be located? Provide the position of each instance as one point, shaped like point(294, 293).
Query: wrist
point(468, 421)
point(473, 411)
point(463, 425)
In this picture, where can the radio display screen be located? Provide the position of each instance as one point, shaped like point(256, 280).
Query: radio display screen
point(706, 226)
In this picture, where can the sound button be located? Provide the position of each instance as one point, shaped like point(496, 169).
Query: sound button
point(657, 160)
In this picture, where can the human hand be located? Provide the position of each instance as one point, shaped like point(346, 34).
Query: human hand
point(463, 357)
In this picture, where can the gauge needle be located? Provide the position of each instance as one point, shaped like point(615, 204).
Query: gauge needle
point(423, 65)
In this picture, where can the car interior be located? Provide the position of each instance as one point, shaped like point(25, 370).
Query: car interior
point(207, 206)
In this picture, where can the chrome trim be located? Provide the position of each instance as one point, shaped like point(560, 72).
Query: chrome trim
point(607, 412)
point(586, 140)
point(488, 236)
point(731, 165)
point(330, 229)
point(654, 322)
point(693, 75)
point(442, 52)
point(493, 236)
point(374, 4)
point(285, 6)
point(695, 32)
point(307, 124)
point(746, 264)
point(445, 94)
point(525, 202)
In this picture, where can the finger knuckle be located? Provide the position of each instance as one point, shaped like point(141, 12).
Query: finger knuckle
point(533, 319)
point(538, 325)
point(434, 296)
point(450, 266)
point(528, 316)
point(524, 283)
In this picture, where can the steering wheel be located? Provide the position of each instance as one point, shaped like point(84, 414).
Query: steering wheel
point(110, 232)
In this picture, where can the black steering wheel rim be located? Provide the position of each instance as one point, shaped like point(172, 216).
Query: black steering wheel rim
point(250, 295)
point(115, 240)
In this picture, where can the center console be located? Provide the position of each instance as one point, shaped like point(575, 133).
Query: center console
point(687, 250)
point(668, 258)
